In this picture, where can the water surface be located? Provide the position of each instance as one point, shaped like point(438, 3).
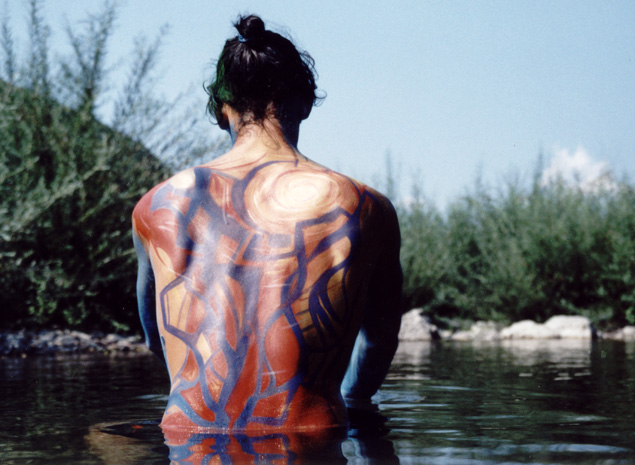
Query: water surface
point(531, 402)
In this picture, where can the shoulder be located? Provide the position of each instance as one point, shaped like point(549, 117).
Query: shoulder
point(143, 209)
point(383, 204)
point(375, 207)
point(377, 215)
point(383, 216)
point(141, 213)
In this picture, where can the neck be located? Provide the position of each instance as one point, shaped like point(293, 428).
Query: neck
point(270, 132)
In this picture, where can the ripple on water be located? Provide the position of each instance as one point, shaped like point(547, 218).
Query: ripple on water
point(411, 407)
point(157, 397)
point(492, 417)
point(407, 376)
point(509, 454)
point(451, 404)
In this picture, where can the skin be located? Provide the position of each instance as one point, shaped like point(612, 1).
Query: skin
point(270, 285)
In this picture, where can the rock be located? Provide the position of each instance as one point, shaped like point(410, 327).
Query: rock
point(416, 327)
point(129, 343)
point(480, 331)
point(628, 333)
point(66, 341)
point(528, 329)
point(116, 343)
point(571, 327)
point(110, 339)
point(556, 327)
point(14, 343)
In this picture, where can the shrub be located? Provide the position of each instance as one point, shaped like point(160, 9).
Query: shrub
point(68, 183)
point(524, 253)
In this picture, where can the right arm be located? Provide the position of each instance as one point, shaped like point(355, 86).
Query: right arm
point(146, 298)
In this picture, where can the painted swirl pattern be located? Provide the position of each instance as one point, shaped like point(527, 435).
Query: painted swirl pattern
point(260, 286)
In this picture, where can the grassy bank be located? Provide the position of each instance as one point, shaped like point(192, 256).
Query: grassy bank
point(517, 252)
point(68, 183)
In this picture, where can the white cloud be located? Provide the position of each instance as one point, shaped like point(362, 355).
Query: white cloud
point(579, 170)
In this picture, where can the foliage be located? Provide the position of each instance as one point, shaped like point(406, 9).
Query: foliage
point(68, 183)
point(523, 253)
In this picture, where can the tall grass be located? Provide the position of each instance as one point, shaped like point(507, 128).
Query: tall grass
point(68, 183)
point(523, 252)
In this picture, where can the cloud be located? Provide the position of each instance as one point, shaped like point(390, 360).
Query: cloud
point(579, 170)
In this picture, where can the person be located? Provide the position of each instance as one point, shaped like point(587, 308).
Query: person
point(268, 283)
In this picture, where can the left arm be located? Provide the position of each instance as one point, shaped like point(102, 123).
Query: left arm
point(377, 339)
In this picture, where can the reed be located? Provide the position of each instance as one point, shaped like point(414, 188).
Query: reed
point(520, 252)
point(68, 182)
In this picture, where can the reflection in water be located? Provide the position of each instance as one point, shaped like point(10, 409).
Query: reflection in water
point(278, 448)
point(521, 402)
point(275, 448)
point(523, 352)
point(118, 443)
point(564, 353)
point(129, 442)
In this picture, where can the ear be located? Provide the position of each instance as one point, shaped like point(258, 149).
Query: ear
point(222, 118)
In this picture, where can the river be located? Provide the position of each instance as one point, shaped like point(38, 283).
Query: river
point(525, 402)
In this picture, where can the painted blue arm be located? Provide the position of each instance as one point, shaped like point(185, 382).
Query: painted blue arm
point(146, 300)
point(377, 339)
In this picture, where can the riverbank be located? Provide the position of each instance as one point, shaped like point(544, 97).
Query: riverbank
point(44, 342)
point(417, 327)
point(414, 327)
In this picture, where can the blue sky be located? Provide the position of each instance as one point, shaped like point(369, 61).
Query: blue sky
point(452, 89)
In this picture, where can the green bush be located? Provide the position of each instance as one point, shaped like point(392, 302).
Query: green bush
point(524, 253)
point(68, 183)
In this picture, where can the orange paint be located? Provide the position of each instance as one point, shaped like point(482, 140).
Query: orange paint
point(271, 317)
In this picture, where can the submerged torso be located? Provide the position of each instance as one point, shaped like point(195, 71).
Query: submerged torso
point(261, 274)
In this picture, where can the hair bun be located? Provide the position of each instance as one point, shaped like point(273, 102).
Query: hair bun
point(250, 27)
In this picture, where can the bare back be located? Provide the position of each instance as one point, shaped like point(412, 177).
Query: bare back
point(262, 272)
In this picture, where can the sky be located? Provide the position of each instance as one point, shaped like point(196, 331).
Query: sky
point(452, 90)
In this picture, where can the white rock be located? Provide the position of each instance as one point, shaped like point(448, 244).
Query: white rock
point(627, 333)
point(528, 329)
point(415, 327)
point(480, 331)
point(571, 326)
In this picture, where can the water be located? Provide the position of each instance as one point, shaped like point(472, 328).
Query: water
point(532, 402)
point(538, 402)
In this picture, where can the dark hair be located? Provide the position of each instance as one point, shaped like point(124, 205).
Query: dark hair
point(258, 70)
